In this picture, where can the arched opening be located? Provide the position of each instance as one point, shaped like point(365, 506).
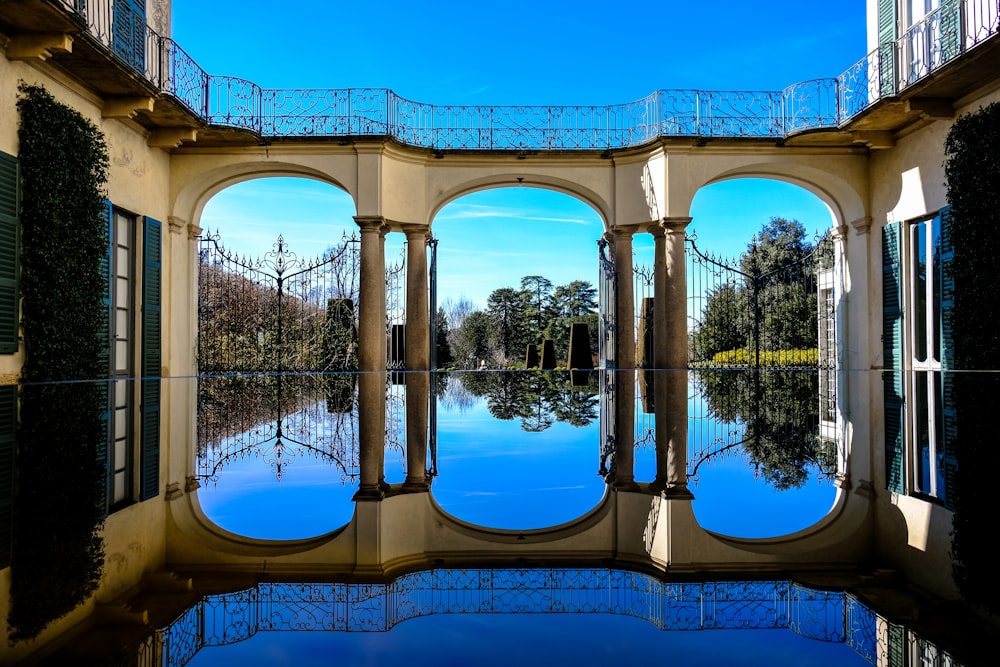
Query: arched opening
point(762, 290)
point(277, 451)
point(517, 434)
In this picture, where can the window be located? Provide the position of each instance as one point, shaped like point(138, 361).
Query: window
point(921, 44)
point(917, 298)
point(133, 301)
point(915, 37)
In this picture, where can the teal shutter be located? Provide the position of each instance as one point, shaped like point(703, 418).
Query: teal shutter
point(106, 385)
point(149, 404)
point(8, 469)
point(128, 28)
point(10, 190)
point(887, 47)
point(896, 649)
point(951, 29)
point(949, 457)
point(892, 354)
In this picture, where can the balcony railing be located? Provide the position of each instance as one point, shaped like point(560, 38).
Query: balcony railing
point(819, 104)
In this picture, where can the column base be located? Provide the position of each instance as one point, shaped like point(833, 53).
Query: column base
point(625, 485)
point(415, 486)
point(368, 493)
point(677, 492)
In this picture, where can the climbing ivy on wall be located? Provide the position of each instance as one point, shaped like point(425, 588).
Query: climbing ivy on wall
point(59, 505)
point(972, 170)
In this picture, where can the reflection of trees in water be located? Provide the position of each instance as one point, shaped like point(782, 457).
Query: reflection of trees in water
point(277, 418)
point(773, 416)
point(538, 398)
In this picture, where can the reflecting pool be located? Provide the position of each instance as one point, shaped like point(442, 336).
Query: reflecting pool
point(518, 451)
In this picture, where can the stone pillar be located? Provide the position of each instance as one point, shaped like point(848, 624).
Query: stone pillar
point(418, 359)
point(624, 374)
point(661, 355)
point(674, 345)
point(371, 359)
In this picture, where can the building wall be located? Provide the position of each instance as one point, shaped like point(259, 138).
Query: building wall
point(907, 182)
point(138, 180)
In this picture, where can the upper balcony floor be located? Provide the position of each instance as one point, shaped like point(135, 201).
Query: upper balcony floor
point(114, 50)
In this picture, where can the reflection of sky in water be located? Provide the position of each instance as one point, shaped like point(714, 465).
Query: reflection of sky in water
point(493, 473)
point(488, 640)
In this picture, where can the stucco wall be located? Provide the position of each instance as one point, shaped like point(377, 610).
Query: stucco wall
point(138, 178)
point(907, 182)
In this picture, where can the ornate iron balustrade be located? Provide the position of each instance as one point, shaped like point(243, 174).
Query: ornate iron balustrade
point(359, 112)
point(830, 616)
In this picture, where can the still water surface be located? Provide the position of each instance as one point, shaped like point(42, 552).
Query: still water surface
point(520, 473)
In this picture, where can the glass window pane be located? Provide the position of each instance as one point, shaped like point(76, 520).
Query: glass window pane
point(918, 252)
point(120, 458)
point(119, 492)
point(938, 445)
point(121, 423)
point(921, 432)
point(935, 297)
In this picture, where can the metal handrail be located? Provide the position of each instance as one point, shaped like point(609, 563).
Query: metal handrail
point(359, 112)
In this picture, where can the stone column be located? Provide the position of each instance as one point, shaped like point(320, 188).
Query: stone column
point(675, 395)
point(661, 354)
point(418, 353)
point(371, 359)
point(624, 383)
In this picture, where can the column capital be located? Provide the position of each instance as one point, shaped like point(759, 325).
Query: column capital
point(415, 231)
point(839, 233)
point(622, 231)
point(656, 230)
point(862, 225)
point(194, 231)
point(371, 223)
point(676, 224)
point(176, 225)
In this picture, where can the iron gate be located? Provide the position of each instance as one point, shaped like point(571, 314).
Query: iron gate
point(762, 351)
point(277, 356)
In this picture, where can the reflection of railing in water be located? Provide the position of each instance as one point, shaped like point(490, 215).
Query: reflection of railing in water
point(314, 415)
point(829, 616)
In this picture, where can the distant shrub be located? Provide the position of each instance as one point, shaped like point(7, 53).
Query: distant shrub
point(773, 358)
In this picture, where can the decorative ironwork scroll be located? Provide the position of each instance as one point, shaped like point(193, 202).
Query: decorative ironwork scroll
point(829, 616)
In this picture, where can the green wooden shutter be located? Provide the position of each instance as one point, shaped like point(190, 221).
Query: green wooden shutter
point(8, 469)
point(128, 29)
point(106, 385)
point(10, 186)
point(896, 649)
point(149, 405)
point(887, 47)
point(892, 354)
point(951, 29)
point(949, 458)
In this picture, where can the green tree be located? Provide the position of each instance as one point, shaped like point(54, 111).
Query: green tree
point(773, 306)
point(723, 325)
point(471, 343)
point(537, 293)
point(505, 309)
point(441, 340)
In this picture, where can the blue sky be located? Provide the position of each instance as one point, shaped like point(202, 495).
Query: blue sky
point(548, 53)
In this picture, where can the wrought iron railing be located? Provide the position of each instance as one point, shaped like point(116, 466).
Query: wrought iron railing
point(829, 616)
point(358, 112)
